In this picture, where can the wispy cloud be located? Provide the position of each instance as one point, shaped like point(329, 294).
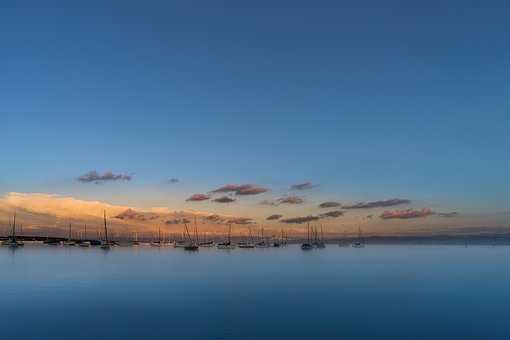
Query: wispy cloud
point(240, 220)
point(291, 200)
point(173, 180)
point(330, 204)
point(303, 186)
point(274, 217)
point(448, 214)
point(130, 214)
point(299, 220)
point(334, 213)
point(378, 204)
point(95, 177)
point(214, 218)
point(283, 200)
point(242, 189)
point(224, 199)
point(406, 214)
point(198, 198)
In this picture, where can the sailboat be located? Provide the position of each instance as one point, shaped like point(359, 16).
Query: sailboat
point(69, 242)
point(319, 241)
point(227, 245)
point(206, 243)
point(84, 243)
point(11, 241)
point(106, 245)
point(135, 241)
point(343, 242)
point(262, 243)
point(192, 245)
point(248, 243)
point(307, 245)
point(359, 243)
point(278, 242)
point(158, 242)
point(182, 242)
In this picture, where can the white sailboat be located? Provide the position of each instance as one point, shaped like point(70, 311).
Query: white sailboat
point(83, 242)
point(263, 242)
point(308, 244)
point(191, 245)
point(11, 240)
point(247, 244)
point(319, 241)
point(206, 243)
point(158, 242)
point(69, 242)
point(227, 245)
point(360, 242)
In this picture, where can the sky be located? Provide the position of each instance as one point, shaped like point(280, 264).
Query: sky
point(366, 100)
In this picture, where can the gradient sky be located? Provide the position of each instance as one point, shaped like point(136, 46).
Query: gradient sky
point(368, 99)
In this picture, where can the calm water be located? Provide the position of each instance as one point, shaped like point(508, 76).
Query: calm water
point(379, 292)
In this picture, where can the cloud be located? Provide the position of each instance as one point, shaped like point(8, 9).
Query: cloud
point(406, 214)
point(224, 199)
point(240, 220)
point(173, 180)
point(283, 200)
point(329, 204)
point(334, 213)
point(177, 221)
point(198, 198)
point(251, 190)
point(303, 186)
point(299, 220)
point(60, 206)
point(448, 214)
point(131, 214)
point(243, 189)
point(274, 217)
point(214, 218)
point(377, 204)
point(94, 176)
point(291, 200)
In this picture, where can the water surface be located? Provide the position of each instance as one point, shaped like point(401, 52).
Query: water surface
point(378, 292)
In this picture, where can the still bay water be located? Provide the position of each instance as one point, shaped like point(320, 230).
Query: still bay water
point(378, 292)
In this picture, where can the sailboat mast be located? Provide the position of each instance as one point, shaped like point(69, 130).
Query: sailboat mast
point(69, 236)
point(196, 229)
point(105, 229)
point(187, 231)
point(14, 227)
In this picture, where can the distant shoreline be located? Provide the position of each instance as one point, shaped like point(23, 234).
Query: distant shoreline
point(478, 239)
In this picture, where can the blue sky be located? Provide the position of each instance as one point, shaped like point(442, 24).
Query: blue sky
point(368, 99)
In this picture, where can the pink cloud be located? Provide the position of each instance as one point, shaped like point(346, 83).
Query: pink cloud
point(406, 214)
point(198, 198)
